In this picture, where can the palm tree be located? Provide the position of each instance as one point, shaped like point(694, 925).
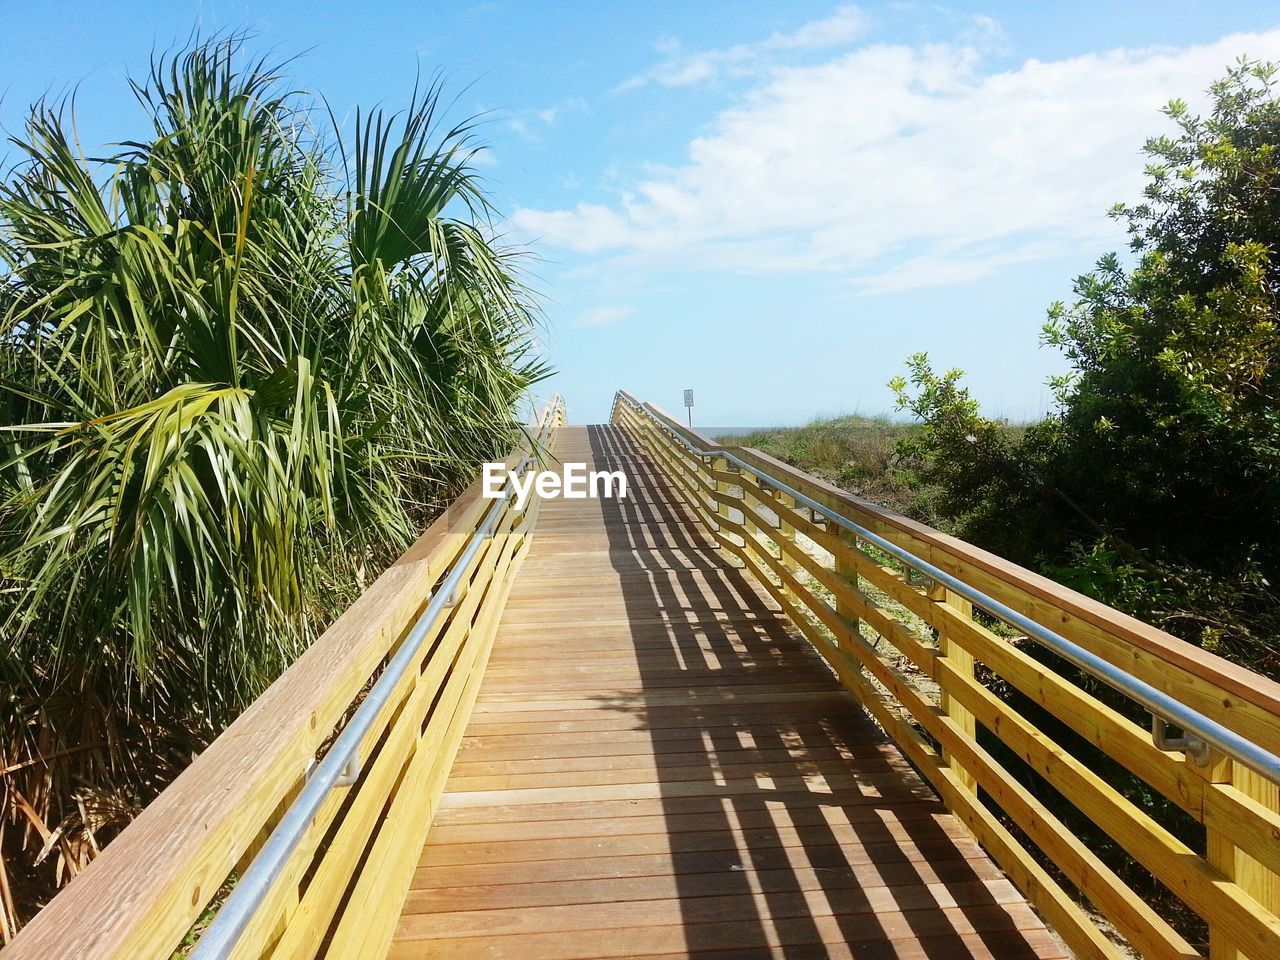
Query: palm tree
point(239, 365)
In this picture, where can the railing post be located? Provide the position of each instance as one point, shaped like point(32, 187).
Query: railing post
point(721, 465)
point(963, 661)
point(1247, 873)
point(788, 532)
point(755, 544)
point(847, 570)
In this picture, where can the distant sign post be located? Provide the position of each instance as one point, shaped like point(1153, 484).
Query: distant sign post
point(688, 405)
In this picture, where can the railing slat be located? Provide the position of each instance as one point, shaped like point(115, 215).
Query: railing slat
point(364, 932)
point(1233, 695)
point(331, 878)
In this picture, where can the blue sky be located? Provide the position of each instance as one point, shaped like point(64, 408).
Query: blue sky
point(774, 204)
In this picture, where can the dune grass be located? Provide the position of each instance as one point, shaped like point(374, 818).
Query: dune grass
point(856, 453)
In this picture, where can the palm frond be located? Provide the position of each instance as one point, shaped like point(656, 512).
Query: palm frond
point(232, 376)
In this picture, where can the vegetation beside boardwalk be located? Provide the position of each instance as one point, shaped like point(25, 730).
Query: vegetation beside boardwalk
point(1154, 483)
point(856, 453)
point(241, 362)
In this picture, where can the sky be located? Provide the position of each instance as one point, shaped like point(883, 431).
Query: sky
point(772, 204)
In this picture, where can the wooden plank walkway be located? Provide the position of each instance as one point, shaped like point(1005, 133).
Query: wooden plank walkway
point(659, 766)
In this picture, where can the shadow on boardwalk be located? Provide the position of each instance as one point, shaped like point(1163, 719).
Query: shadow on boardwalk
point(794, 829)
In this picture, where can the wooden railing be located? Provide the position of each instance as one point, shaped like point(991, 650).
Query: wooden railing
point(338, 890)
point(933, 674)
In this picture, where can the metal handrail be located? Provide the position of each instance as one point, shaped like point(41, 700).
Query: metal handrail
point(1163, 708)
point(340, 766)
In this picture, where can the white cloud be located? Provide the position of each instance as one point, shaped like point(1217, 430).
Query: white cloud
point(846, 24)
point(682, 69)
point(530, 123)
point(605, 316)
point(904, 165)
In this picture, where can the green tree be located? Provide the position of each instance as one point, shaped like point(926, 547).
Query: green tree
point(1155, 485)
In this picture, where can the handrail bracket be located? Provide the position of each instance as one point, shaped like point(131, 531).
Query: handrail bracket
point(1197, 751)
point(350, 771)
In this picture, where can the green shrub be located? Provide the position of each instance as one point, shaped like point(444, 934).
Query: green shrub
point(240, 362)
point(1155, 484)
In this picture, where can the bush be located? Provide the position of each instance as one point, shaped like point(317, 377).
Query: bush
point(1155, 485)
point(239, 364)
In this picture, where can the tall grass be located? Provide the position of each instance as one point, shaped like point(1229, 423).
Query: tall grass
point(857, 453)
point(240, 361)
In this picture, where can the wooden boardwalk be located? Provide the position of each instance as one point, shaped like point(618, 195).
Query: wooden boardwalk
point(659, 766)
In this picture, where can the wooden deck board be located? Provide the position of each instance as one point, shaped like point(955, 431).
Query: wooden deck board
point(659, 766)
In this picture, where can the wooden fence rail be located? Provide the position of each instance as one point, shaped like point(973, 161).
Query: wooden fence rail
point(141, 897)
point(913, 654)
